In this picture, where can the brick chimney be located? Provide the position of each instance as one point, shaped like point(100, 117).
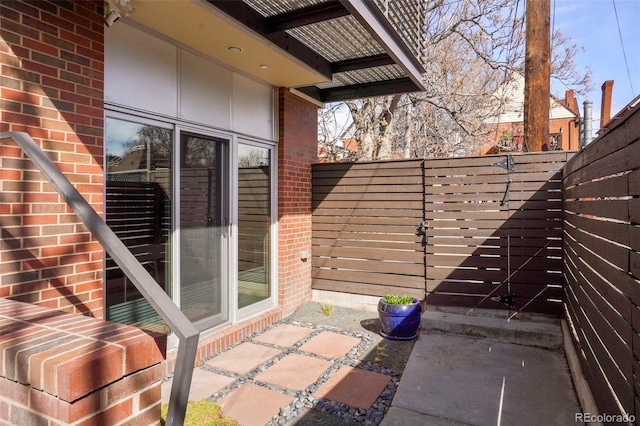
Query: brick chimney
point(605, 109)
point(571, 102)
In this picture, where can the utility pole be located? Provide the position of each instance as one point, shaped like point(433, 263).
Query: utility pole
point(537, 75)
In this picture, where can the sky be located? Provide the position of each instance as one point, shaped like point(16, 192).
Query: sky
point(592, 25)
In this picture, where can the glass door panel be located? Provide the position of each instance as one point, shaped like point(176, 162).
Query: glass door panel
point(254, 225)
point(203, 228)
point(138, 210)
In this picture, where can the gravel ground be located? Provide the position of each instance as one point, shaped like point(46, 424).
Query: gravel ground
point(387, 354)
point(397, 352)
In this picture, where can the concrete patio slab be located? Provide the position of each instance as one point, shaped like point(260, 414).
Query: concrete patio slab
point(485, 382)
point(401, 417)
point(531, 333)
point(330, 344)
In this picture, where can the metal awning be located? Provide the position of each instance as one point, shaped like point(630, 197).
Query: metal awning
point(363, 47)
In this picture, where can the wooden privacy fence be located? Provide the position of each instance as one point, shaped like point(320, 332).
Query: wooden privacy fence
point(602, 264)
point(493, 229)
point(363, 228)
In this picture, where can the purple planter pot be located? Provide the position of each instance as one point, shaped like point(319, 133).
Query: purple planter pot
point(400, 322)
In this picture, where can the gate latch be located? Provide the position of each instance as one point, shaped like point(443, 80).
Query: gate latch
point(422, 228)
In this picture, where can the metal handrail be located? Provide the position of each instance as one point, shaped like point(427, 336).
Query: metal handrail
point(187, 333)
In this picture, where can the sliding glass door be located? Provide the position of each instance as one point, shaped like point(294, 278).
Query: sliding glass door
point(196, 209)
point(203, 229)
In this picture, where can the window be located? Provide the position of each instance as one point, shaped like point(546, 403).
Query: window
point(138, 209)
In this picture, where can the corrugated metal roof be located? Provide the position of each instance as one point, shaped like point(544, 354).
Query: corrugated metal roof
point(335, 40)
point(364, 48)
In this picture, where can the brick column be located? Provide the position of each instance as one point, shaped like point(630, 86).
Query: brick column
point(51, 86)
point(297, 150)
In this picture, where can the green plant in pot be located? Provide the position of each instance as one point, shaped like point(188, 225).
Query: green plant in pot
point(399, 316)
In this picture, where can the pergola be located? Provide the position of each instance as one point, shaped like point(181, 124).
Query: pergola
point(325, 49)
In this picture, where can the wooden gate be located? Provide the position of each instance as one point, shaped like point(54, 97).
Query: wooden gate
point(493, 230)
point(364, 224)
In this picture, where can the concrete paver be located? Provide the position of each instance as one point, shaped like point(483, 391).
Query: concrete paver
point(253, 405)
point(294, 372)
point(354, 386)
point(284, 335)
point(203, 385)
point(243, 358)
point(330, 344)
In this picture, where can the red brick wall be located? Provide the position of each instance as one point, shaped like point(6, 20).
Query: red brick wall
point(51, 86)
point(57, 381)
point(297, 150)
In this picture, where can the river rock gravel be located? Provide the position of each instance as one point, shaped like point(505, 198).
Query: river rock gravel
point(373, 353)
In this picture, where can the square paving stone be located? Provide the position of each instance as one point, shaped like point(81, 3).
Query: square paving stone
point(294, 372)
point(203, 384)
point(330, 344)
point(354, 386)
point(284, 335)
point(243, 358)
point(253, 405)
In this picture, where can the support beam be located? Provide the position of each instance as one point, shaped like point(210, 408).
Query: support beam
point(361, 63)
point(357, 91)
point(374, 21)
point(537, 76)
point(306, 16)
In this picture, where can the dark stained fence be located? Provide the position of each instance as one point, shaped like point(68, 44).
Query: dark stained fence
point(493, 238)
point(602, 264)
point(139, 214)
point(253, 217)
point(364, 228)
point(495, 229)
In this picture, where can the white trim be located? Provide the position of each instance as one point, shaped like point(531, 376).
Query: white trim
point(307, 98)
point(272, 301)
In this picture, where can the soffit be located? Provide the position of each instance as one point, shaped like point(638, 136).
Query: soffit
point(329, 50)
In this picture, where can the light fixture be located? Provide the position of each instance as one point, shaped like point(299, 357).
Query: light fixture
point(264, 66)
point(115, 10)
point(234, 49)
point(111, 17)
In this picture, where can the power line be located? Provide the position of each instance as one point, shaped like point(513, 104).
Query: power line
point(624, 54)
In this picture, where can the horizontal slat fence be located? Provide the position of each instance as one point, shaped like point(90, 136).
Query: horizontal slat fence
point(253, 217)
point(481, 244)
point(364, 223)
point(602, 264)
point(495, 230)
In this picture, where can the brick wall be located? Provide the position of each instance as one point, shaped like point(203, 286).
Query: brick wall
point(297, 150)
point(51, 86)
point(57, 368)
